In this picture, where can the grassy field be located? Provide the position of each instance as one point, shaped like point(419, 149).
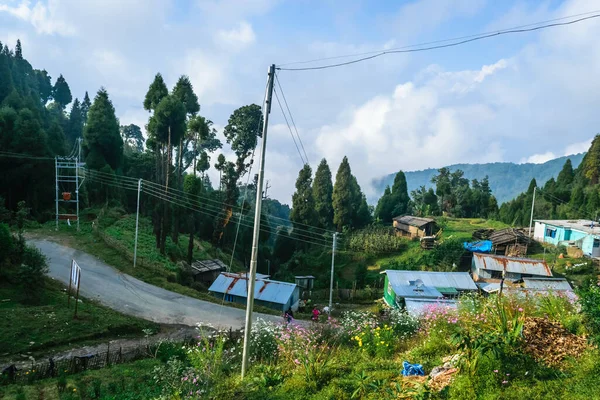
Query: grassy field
point(463, 228)
point(51, 326)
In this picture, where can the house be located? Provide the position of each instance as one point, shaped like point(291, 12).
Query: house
point(413, 227)
point(533, 287)
point(487, 266)
point(277, 295)
point(206, 271)
point(509, 242)
point(581, 233)
point(305, 283)
point(402, 286)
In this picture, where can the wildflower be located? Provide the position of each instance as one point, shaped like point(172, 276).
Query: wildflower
point(74, 389)
point(296, 361)
point(496, 371)
point(520, 309)
point(504, 382)
point(507, 374)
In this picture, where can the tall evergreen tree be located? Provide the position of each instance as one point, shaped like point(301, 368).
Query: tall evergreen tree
point(590, 165)
point(400, 199)
point(384, 211)
point(44, 82)
point(303, 204)
point(6, 82)
point(102, 141)
point(85, 106)
point(156, 92)
point(75, 127)
point(18, 50)
point(61, 92)
point(184, 91)
point(322, 194)
point(344, 197)
point(133, 139)
point(566, 175)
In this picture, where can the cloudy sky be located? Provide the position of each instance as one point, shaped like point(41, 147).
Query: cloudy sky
point(522, 98)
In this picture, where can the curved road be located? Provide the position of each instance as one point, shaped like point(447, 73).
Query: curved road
point(131, 296)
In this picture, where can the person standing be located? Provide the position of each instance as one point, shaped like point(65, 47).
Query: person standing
point(315, 314)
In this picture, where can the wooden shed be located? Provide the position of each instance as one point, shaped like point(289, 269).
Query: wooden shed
point(206, 271)
point(412, 227)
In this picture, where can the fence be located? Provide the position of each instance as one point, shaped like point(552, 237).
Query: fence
point(98, 360)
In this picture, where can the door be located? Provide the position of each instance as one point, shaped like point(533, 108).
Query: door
point(596, 248)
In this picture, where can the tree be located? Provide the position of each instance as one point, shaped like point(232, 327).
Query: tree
point(385, 206)
point(133, 139)
point(75, 126)
point(168, 126)
point(102, 141)
point(6, 82)
point(184, 92)
point(44, 82)
point(566, 175)
point(322, 195)
point(32, 274)
point(400, 199)
point(61, 92)
point(85, 106)
point(203, 163)
point(18, 50)
point(192, 186)
point(156, 92)
point(303, 204)
point(346, 200)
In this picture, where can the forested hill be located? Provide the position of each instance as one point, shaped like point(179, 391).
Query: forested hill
point(507, 180)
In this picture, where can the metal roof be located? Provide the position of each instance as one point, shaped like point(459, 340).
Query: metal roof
point(511, 264)
point(420, 306)
point(582, 225)
point(456, 280)
point(200, 267)
point(547, 283)
point(413, 221)
point(265, 289)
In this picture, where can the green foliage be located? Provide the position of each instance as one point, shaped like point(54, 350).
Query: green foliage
point(350, 208)
point(132, 137)
point(61, 92)
point(85, 106)
point(303, 204)
point(103, 144)
point(184, 92)
point(590, 306)
point(395, 201)
point(75, 126)
point(322, 194)
point(156, 93)
point(376, 241)
point(31, 274)
point(241, 131)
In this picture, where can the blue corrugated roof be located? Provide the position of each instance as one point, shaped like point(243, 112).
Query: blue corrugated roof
point(265, 289)
point(457, 280)
point(417, 307)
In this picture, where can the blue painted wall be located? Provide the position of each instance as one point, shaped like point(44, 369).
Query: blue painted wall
point(557, 234)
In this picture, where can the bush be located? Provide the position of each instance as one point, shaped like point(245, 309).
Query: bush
point(589, 298)
point(31, 273)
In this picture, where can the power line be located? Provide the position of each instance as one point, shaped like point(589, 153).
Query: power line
point(291, 117)
point(441, 46)
point(289, 127)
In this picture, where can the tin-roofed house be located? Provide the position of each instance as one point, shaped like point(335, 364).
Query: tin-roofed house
point(487, 266)
point(413, 227)
point(575, 234)
point(277, 295)
point(206, 271)
point(416, 290)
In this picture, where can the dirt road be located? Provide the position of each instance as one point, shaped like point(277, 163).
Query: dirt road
point(131, 296)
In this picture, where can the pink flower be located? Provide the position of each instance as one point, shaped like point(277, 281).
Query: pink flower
point(496, 371)
point(520, 309)
point(296, 362)
point(504, 382)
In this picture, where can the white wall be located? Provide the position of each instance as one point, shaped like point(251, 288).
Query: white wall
point(539, 231)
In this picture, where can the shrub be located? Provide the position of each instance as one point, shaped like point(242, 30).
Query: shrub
point(31, 273)
point(589, 298)
point(403, 324)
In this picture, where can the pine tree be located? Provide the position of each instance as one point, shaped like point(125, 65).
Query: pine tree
point(590, 165)
point(344, 196)
point(6, 82)
point(156, 92)
point(18, 50)
point(103, 144)
point(385, 206)
point(565, 176)
point(322, 194)
point(184, 91)
point(303, 204)
point(85, 106)
point(400, 199)
point(61, 92)
point(44, 82)
point(75, 127)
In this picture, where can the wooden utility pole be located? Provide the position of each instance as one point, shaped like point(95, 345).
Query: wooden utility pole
point(255, 236)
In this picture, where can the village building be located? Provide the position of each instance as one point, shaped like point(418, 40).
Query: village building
point(413, 227)
point(581, 237)
point(206, 271)
point(417, 290)
point(277, 295)
point(486, 267)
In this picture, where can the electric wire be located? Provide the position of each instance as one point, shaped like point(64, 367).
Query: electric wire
point(441, 46)
point(289, 128)
point(291, 117)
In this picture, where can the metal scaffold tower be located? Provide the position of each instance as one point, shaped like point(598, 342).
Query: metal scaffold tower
point(67, 183)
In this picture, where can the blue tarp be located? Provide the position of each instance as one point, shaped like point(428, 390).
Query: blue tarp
point(412, 369)
point(482, 246)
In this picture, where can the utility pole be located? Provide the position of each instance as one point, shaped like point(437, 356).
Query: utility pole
point(137, 220)
point(77, 178)
point(257, 212)
point(532, 204)
point(56, 183)
point(332, 265)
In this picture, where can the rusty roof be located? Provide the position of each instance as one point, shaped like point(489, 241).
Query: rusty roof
point(265, 289)
point(413, 221)
point(511, 264)
point(508, 235)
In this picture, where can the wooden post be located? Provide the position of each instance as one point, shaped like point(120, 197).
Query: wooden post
point(108, 355)
point(77, 298)
point(69, 291)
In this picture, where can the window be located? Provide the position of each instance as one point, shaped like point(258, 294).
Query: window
point(596, 242)
point(550, 232)
point(389, 288)
point(496, 274)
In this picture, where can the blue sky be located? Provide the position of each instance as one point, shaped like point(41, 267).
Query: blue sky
point(527, 97)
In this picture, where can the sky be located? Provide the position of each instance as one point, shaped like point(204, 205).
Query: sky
point(527, 97)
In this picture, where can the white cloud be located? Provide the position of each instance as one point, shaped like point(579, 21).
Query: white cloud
point(576, 148)
point(539, 158)
point(46, 19)
point(238, 37)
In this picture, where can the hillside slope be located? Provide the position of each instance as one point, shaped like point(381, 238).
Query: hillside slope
point(507, 180)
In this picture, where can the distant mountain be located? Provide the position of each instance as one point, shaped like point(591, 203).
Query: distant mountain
point(507, 180)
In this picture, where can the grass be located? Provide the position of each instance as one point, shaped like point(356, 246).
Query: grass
point(463, 228)
point(126, 381)
point(51, 326)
